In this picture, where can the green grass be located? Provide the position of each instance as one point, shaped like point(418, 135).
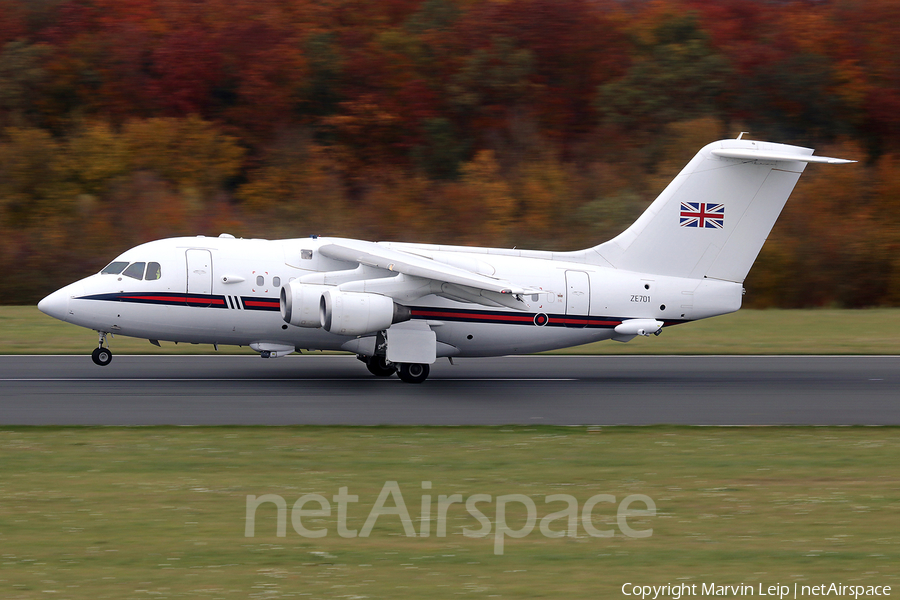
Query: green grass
point(24, 330)
point(159, 512)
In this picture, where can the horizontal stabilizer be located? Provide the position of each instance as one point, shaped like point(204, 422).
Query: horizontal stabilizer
point(763, 155)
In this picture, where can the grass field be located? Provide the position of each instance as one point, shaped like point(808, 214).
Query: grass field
point(24, 330)
point(91, 513)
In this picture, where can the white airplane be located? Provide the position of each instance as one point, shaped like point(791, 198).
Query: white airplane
point(400, 306)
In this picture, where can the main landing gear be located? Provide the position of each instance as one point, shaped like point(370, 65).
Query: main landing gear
point(379, 366)
point(101, 356)
point(413, 372)
point(407, 372)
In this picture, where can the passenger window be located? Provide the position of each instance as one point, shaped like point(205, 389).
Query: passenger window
point(260, 280)
point(114, 268)
point(135, 270)
point(276, 281)
point(154, 272)
point(306, 254)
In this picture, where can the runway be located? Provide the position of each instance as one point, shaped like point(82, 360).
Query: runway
point(558, 390)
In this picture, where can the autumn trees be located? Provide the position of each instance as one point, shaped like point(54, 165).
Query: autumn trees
point(542, 123)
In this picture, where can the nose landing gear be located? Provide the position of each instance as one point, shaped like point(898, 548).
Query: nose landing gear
point(101, 356)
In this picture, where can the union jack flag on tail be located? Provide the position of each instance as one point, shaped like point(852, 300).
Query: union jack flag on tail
point(702, 214)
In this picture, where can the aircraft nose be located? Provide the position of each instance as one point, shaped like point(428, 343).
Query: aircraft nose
point(56, 304)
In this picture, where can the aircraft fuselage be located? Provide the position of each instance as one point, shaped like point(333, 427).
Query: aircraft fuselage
point(226, 291)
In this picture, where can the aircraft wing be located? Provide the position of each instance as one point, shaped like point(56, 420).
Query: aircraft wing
point(456, 281)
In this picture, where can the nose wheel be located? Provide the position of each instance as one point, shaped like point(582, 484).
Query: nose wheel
point(101, 356)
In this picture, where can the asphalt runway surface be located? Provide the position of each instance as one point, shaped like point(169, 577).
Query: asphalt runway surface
point(559, 390)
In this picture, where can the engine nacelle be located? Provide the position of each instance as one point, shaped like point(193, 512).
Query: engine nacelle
point(356, 313)
point(300, 303)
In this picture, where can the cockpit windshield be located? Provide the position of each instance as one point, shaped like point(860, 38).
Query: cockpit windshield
point(114, 268)
point(134, 270)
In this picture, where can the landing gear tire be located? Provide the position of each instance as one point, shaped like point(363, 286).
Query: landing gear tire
point(413, 372)
point(380, 367)
point(101, 356)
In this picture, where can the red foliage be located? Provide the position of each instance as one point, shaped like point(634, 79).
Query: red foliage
point(12, 23)
point(576, 47)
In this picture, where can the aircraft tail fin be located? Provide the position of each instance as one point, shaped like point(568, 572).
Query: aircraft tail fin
point(713, 218)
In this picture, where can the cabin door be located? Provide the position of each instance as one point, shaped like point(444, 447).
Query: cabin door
point(578, 296)
point(199, 276)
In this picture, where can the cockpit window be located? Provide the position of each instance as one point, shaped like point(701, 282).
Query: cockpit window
point(154, 271)
point(114, 268)
point(135, 270)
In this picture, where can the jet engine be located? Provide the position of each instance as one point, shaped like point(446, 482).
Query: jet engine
point(300, 303)
point(356, 313)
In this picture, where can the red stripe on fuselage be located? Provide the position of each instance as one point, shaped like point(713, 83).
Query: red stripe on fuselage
point(185, 299)
point(499, 316)
point(268, 304)
point(575, 321)
point(489, 316)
